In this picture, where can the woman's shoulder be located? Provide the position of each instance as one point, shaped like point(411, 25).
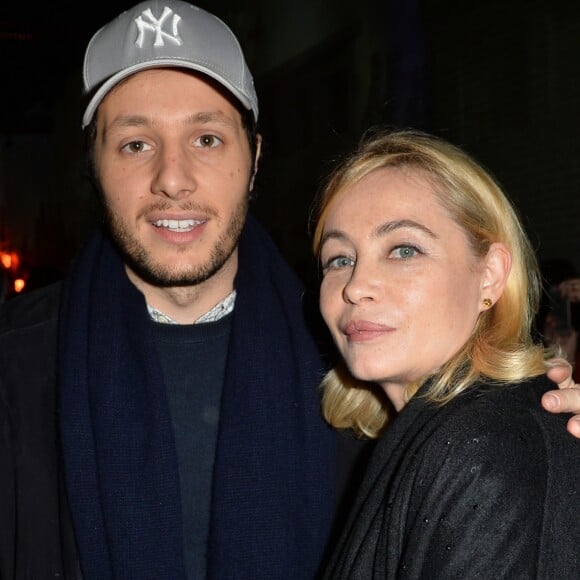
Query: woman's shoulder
point(490, 421)
point(488, 398)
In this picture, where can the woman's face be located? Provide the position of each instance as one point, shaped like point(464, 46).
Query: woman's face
point(401, 289)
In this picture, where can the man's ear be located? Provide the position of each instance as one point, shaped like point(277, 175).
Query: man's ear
point(496, 269)
point(256, 160)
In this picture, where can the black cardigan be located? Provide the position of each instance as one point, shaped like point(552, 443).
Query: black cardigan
point(485, 487)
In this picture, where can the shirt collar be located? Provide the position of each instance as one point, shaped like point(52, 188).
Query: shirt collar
point(221, 309)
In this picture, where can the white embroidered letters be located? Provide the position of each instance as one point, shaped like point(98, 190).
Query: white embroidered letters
point(147, 22)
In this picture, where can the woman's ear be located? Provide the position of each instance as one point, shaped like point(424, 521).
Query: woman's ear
point(496, 269)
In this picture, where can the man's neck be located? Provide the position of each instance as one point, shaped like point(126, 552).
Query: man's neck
point(185, 304)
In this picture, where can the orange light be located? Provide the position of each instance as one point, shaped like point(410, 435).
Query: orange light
point(6, 260)
point(19, 284)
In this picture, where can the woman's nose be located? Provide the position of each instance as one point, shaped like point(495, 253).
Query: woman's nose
point(363, 285)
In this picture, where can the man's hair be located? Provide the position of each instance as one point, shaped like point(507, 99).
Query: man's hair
point(501, 348)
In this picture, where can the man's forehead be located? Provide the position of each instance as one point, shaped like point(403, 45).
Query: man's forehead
point(151, 87)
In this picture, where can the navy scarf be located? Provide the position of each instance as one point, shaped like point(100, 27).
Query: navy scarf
point(273, 487)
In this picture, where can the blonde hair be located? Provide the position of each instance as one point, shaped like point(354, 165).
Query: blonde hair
point(500, 349)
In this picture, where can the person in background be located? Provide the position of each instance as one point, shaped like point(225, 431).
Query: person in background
point(159, 411)
point(429, 289)
point(570, 289)
point(557, 318)
point(567, 399)
point(560, 327)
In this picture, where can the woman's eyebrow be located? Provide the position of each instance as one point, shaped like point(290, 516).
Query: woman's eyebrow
point(390, 226)
point(379, 231)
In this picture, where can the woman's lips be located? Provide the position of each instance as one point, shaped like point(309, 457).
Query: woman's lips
point(363, 330)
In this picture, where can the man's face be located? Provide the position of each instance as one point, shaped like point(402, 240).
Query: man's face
point(174, 167)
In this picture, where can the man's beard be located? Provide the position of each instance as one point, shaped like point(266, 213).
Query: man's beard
point(138, 258)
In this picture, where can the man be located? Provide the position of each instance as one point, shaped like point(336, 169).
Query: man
point(159, 409)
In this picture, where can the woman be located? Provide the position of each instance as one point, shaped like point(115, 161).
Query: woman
point(429, 289)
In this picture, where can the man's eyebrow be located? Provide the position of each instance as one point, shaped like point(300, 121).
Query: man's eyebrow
point(129, 121)
point(196, 118)
point(123, 121)
point(210, 117)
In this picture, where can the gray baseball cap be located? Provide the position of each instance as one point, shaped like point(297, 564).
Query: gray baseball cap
point(165, 33)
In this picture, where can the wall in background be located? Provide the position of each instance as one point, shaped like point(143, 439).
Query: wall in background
point(500, 79)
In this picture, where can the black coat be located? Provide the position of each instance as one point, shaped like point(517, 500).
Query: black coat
point(36, 533)
point(36, 536)
point(485, 487)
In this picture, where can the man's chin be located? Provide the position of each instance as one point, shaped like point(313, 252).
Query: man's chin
point(176, 277)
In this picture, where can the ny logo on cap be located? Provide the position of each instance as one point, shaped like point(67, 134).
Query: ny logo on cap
point(148, 22)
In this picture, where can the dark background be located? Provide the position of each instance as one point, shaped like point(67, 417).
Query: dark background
point(500, 79)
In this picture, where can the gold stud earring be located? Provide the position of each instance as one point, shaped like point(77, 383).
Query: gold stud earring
point(487, 302)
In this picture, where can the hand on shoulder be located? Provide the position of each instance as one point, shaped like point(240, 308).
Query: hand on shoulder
point(565, 399)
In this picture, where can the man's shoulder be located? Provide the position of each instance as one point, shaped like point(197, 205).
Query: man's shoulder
point(30, 309)
point(28, 345)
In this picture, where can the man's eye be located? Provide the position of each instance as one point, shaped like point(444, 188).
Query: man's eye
point(405, 252)
point(136, 147)
point(209, 141)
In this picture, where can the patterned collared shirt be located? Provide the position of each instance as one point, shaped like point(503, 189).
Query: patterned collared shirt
point(220, 310)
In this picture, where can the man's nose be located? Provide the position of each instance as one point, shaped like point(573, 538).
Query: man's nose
point(175, 173)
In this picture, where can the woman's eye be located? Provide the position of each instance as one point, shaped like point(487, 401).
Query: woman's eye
point(404, 252)
point(337, 263)
point(136, 147)
point(208, 141)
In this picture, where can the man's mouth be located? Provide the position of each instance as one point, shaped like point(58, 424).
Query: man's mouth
point(178, 225)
